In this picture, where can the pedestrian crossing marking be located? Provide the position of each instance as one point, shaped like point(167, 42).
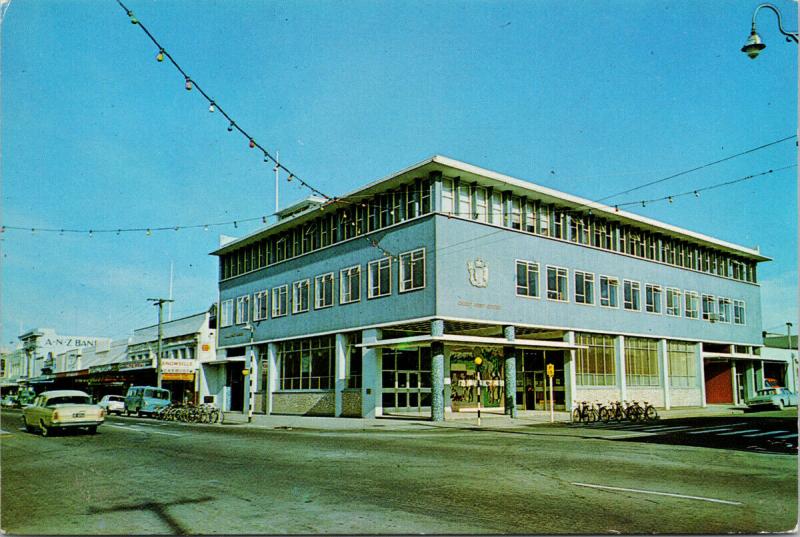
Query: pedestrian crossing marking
point(739, 432)
point(787, 436)
point(768, 433)
point(715, 430)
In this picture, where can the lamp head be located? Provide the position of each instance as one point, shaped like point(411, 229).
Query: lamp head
point(753, 46)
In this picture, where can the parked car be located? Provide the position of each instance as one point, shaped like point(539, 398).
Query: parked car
point(141, 400)
point(113, 404)
point(9, 401)
point(61, 409)
point(773, 396)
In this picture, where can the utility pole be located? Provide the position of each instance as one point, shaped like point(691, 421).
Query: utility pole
point(160, 303)
point(788, 335)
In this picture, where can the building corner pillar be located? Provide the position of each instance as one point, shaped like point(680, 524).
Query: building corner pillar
point(371, 367)
point(663, 361)
point(570, 372)
point(340, 373)
point(437, 372)
point(272, 376)
point(510, 373)
point(619, 344)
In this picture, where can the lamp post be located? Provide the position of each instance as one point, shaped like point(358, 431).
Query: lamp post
point(753, 46)
point(251, 381)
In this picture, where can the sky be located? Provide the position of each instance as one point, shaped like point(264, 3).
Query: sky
point(590, 98)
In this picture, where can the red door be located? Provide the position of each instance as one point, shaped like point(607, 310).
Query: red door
point(719, 387)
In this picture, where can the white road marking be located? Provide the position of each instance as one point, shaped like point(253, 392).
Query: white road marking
point(663, 429)
point(138, 430)
point(700, 498)
point(715, 430)
point(787, 436)
point(768, 433)
point(739, 432)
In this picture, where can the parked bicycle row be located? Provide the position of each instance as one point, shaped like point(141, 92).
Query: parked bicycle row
point(586, 412)
point(188, 413)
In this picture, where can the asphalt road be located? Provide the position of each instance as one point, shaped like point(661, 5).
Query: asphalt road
point(141, 476)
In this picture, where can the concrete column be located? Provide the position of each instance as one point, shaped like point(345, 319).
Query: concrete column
point(371, 369)
point(570, 375)
point(619, 350)
point(436, 191)
point(734, 383)
point(750, 379)
point(340, 372)
point(663, 364)
point(510, 373)
point(273, 376)
point(437, 372)
point(248, 379)
point(701, 377)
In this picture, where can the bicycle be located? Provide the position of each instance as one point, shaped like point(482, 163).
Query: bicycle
point(633, 411)
point(584, 413)
point(650, 413)
point(615, 411)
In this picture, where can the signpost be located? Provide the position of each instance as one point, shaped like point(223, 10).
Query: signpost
point(551, 370)
point(478, 362)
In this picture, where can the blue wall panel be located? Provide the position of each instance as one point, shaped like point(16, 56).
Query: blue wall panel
point(459, 242)
point(402, 238)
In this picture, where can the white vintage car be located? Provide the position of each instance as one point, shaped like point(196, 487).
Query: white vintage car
point(61, 409)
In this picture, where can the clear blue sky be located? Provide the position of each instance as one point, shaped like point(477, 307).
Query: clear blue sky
point(587, 97)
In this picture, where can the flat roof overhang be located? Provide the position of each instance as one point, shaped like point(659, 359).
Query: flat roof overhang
point(737, 356)
point(452, 339)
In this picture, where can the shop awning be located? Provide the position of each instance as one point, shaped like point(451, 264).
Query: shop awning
point(475, 341)
point(739, 356)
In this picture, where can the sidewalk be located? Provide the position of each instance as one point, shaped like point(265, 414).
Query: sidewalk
point(463, 420)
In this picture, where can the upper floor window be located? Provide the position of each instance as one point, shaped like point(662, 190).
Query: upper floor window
point(481, 213)
point(584, 287)
point(261, 306)
point(692, 305)
point(323, 291)
point(516, 212)
point(412, 270)
point(738, 312)
point(301, 291)
point(609, 289)
point(557, 285)
point(652, 298)
point(631, 295)
point(709, 309)
point(280, 301)
point(447, 196)
point(350, 285)
point(673, 302)
point(527, 279)
point(496, 208)
point(226, 313)
point(724, 310)
point(464, 201)
point(379, 276)
point(243, 309)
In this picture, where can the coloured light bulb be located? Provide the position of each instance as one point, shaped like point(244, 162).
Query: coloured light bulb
point(230, 127)
point(188, 84)
point(160, 56)
point(252, 143)
point(211, 107)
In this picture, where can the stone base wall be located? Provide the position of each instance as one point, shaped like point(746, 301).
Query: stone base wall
point(351, 403)
point(604, 394)
point(685, 397)
point(314, 403)
point(654, 396)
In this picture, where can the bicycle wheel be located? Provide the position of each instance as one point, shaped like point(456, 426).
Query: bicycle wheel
point(576, 416)
point(650, 413)
point(604, 415)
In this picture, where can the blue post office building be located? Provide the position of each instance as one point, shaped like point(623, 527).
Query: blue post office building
point(378, 302)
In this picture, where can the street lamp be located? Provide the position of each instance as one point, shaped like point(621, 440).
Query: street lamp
point(753, 46)
point(251, 388)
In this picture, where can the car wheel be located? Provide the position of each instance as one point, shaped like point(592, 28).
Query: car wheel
point(46, 431)
point(92, 429)
point(28, 426)
point(139, 412)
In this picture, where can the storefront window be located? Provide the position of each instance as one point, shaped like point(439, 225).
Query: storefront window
point(307, 364)
point(464, 378)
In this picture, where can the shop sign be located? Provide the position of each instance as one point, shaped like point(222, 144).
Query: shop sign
point(104, 368)
point(177, 366)
point(551, 370)
point(179, 376)
point(137, 364)
point(70, 374)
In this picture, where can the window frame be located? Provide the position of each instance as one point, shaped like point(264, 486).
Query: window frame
point(347, 273)
point(226, 313)
point(280, 308)
point(566, 283)
point(321, 278)
point(297, 288)
point(387, 264)
point(739, 305)
point(402, 280)
point(528, 265)
point(637, 286)
point(261, 298)
point(676, 309)
point(242, 310)
point(686, 311)
point(588, 280)
point(611, 282)
point(656, 307)
point(710, 316)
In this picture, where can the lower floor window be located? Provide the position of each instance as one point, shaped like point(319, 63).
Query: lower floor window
point(595, 365)
point(406, 378)
point(682, 368)
point(307, 364)
point(641, 362)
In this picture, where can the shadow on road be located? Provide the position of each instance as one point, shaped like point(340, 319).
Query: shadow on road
point(160, 510)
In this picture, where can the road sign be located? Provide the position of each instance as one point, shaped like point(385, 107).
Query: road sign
point(478, 360)
point(245, 371)
point(551, 370)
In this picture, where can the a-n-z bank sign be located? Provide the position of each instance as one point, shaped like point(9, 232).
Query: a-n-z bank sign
point(169, 365)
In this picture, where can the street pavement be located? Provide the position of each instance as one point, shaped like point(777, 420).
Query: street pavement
point(710, 474)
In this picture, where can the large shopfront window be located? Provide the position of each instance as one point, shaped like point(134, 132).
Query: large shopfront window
point(406, 379)
point(595, 365)
point(682, 368)
point(533, 391)
point(641, 361)
point(464, 378)
point(307, 364)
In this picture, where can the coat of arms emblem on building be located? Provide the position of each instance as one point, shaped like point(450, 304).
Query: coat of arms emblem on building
point(478, 272)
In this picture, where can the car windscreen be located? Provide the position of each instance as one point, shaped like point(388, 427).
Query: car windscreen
point(157, 394)
point(116, 398)
point(69, 400)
